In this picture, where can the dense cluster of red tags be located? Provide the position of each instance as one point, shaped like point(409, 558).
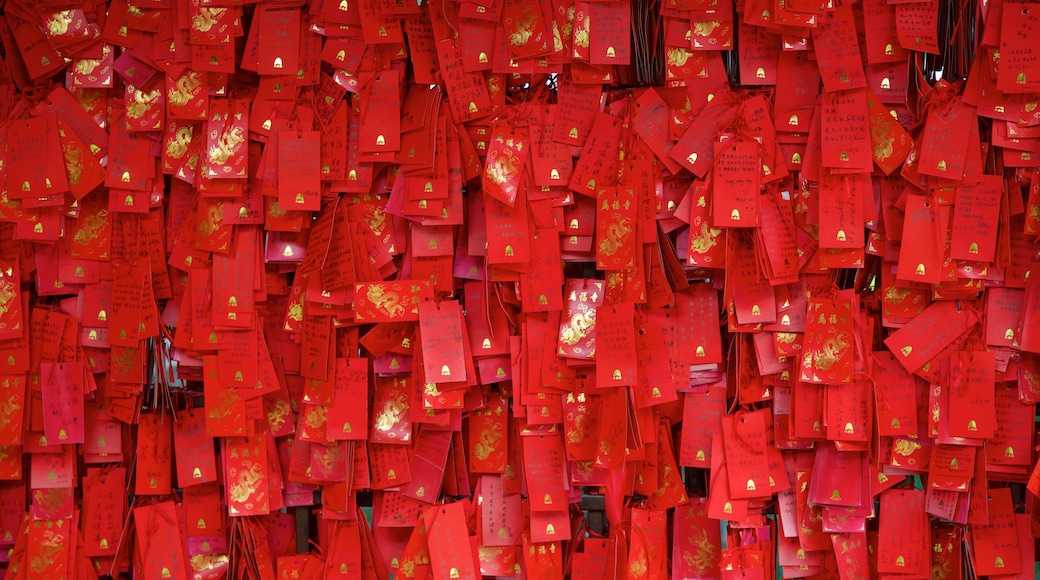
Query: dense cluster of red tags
point(444, 251)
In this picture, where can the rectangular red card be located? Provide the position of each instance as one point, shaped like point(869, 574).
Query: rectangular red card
point(390, 301)
point(450, 552)
point(753, 297)
point(489, 437)
point(841, 209)
point(890, 142)
point(598, 165)
point(577, 335)
point(1010, 443)
point(391, 422)
point(154, 454)
point(12, 392)
point(616, 361)
point(195, 462)
point(245, 474)
point(951, 467)
point(49, 545)
point(616, 239)
point(226, 150)
point(736, 184)
point(845, 135)
point(505, 164)
point(62, 385)
point(995, 544)
point(299, 160)
point(348, 414)
point(829, 341)
point(225, 408)
point(975, 216)
point(946, 320)
point(610, 39)
point(896, 396)
point(442, 331)
point(745, 444)
point(157, 526)
point(543, 467)
point(837, 51)
point(575, 112)
point(903, 533)
point(104, 506)
point(972, 410)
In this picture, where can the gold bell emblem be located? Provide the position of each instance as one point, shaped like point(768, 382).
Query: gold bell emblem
point(509, 250)
point(547, 500)
point(750, 485)
point(428, 188)
point(1009, 452)
point(760, 73)
point(755, 310)
point(895, 423)
point(900, 561)
point(554, 174)
point(482, 58)
point(550, 530)
point(972, 425)
point(453, 573)
point(473, 107)
point(445, 371)
point(196, 473)
point(941, 165)
point(617, 374)
point(700, 456)
point(699, 351)
point(267, 125)
point(841, 235)
point(1021, 78)
point(126, 177)
point(341, 55)
point(103, 544)
point(920, 270)
point(26, 187)
point(486, 344)
point(278, 62)
point(165, 573)
point(849, 429)
point(793, 121)
point(380, 140)
point(573, 133)
point(734, 215)
point(885, 83)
